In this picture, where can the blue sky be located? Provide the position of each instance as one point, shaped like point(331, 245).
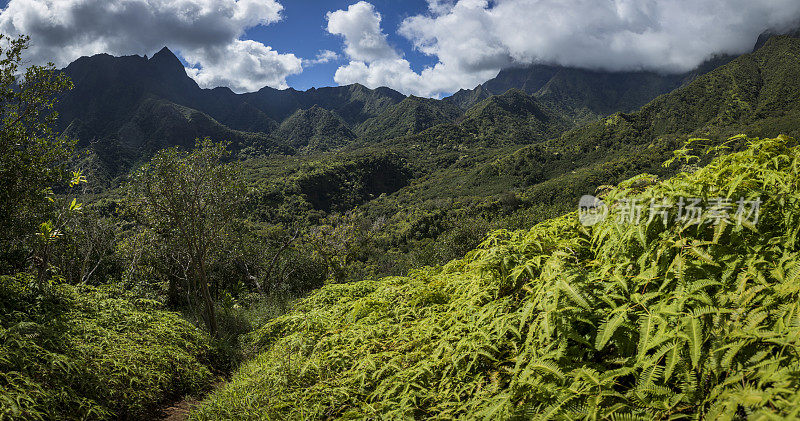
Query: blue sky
point(302, 32)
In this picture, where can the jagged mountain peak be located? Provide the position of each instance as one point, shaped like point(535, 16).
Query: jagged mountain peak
point(164, 53)
point(165, 64)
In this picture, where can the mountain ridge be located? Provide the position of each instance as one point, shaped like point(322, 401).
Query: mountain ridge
point(583, 95)
point(112, 95)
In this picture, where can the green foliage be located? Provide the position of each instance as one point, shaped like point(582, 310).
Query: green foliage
point(32, 154)
point(190, 201)
point(617, 321)
point(341, 185)
point(88, 249)
point(51, 231)
point(87, 353)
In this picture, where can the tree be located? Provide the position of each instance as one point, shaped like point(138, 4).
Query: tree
point(32, 155)
point(190, 200)
point(343, 239)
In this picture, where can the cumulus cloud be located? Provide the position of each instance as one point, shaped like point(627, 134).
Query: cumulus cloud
point(243, 66)
point(324, 56)
point(206, 32)
point(473, 39)
point(662, 35)
point(374, 63)
point(360, 25)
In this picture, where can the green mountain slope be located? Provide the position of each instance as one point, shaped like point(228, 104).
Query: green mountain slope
point(586, 95)
point(757, 94)
point(314, 129)
point(513, 115)
point(115, 95)
point(111, 91)
point(108, 90)
point(513, 118)
point(411, 116)
point(624, 319)
point(354, 103)
point(463, 183)
point(155, 124)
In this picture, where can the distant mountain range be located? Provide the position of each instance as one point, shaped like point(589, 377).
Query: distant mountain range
point(123, 109)
point(583, 95)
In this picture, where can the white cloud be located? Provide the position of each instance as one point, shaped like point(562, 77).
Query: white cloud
point(243, 66)
point(206, 32)
point(664, 35)
point(360, 25)
point(324, 56)
point(374, 63)
point(473, 39)
point(440, 6)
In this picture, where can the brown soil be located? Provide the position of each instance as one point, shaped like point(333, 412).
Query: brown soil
point(178, 411)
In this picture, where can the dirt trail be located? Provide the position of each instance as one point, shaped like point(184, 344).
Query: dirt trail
point(178, 411)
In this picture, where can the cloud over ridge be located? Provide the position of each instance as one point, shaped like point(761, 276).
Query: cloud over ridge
point(206, 32)
point(473, 39)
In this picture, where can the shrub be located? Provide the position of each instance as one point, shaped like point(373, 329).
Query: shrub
point(87, 353)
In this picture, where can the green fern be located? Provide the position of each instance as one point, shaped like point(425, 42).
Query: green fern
point(617, 321)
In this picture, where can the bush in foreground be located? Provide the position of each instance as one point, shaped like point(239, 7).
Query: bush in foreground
point(82, 353)
point(617, 321)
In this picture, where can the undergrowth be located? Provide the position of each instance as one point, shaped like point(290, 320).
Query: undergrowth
point(615, 321)
point(86, 353)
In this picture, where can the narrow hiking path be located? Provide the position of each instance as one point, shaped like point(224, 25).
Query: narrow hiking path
point(179, 410)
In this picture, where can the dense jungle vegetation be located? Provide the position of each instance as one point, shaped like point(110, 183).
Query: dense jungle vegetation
point(647, 320)
point(347, 253)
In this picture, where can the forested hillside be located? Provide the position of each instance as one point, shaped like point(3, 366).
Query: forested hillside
point(124, 109)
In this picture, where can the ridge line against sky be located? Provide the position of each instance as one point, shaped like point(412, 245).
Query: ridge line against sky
point(426, 48)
